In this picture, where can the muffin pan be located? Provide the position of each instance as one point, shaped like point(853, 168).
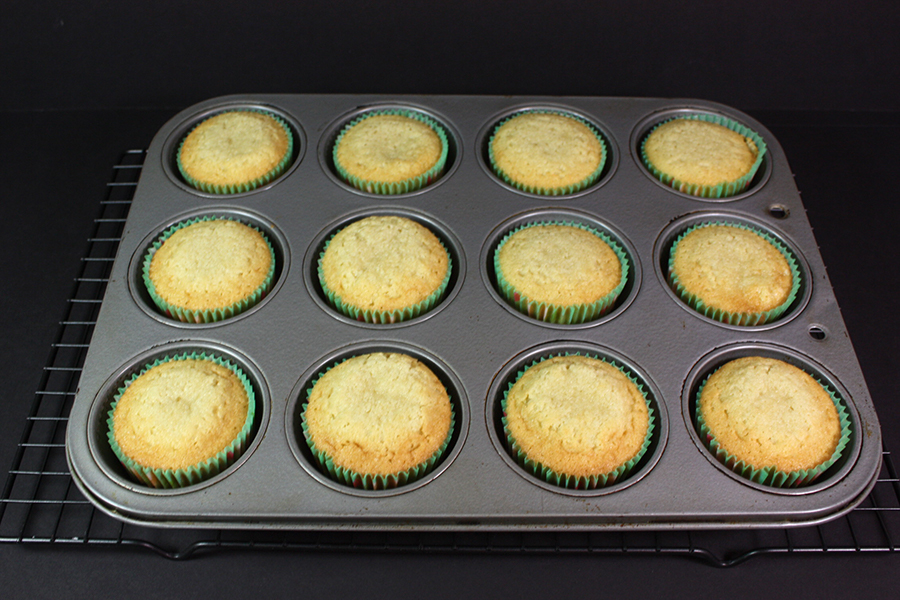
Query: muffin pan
point(473, 340)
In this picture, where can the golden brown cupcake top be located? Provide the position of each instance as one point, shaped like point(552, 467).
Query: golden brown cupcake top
point(732, 269)
point(233, 148)
point(563, 265)
point(384, 263)
point(769, 413)
point(379, 413)
point(180, 413)
point(577, 415)
point(210, 264)
point(388, 148)
point(699, 152)
point(546, 151)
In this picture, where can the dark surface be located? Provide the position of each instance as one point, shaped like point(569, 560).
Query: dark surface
point(82, 82)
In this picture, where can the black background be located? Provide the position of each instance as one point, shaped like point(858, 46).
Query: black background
point(80, 82)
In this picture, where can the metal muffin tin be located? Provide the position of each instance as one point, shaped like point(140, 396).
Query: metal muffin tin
point(473, 340)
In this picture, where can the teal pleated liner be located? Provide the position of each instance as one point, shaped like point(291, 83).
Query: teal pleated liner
point(771, 476)
point(394, 187)
point(724, 189)
point(564, 480)
point(736, 318)
point(245, 186)
point(370, 481)
point(559, 191)
point(556, 313)
point(178, 478)
point(369, 315)
point(187, 315)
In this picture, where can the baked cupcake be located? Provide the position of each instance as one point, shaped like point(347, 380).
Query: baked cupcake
point(547, 152)
point(209, 269)
point(771, 421)
point(235, 151)
point(733, 273)
point(377, 420)
point(384, 269)
point(703, 155)
point(391, 152)
point(560, 272)
point(576, 421)
point(181, 420)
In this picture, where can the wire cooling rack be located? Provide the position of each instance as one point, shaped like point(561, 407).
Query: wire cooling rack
point(40, 503)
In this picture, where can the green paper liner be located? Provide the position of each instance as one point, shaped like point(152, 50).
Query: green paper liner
point(771, 476)
point(558, 313)
point(210, 315)
point(558, 191)
point(721, 190)
point(390, 188)
point(246, 186)
point(576, 482)
point(177, 478)
point(370, 315)
point(370, 481)
point(736, 318)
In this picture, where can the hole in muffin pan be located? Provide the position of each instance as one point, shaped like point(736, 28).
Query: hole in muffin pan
point(818, 332)
point(484, 138)
point(298, 396)
point(508, 375)
point(715, 359)
point(98, 443)
point(779, 211)
point(669, 235)
point(276, 238)
point(488, 275)
point(170, 148)
point(443, 233)
point(643, 129)
point(327, 141)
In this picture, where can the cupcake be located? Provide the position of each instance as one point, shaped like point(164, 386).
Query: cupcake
point(384, 269)
point(560, 272)
point(181, 420)
point(733, 273)
point(208, 269)
point(377, 420)
point(771, 422)
point(548, 153)
point(391, 152)
point(235, 151)
point(576, 421)
point(703, 155)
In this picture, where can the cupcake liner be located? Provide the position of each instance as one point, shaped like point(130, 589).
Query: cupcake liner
point(370, 481)
point(390, 188)
point(558, 191)
point(246, 186)
point(556, 313)
point(176, 478)
point(722, 190)
point(211, 315)
point(369, 315)
point(771, 476)
point(577, 482)
point(736, 318)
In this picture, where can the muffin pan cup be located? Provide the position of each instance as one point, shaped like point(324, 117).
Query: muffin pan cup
point(473, 337)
